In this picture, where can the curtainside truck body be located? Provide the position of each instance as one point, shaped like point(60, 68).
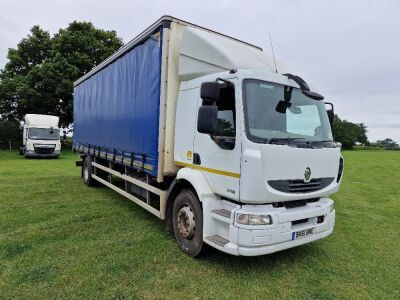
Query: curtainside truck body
point(209, 134)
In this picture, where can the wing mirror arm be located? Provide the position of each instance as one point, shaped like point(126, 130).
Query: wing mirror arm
point(305, 89)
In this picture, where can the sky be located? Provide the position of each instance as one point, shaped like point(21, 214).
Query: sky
point(349, 50)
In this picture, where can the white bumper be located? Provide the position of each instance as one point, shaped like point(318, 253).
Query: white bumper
point(43, 148)
point(259, 242)
point(253, 240)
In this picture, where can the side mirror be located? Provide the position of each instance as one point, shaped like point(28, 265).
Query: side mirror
point(331, 112)
point(305, 89)
point(207, 119)
point(209, 91)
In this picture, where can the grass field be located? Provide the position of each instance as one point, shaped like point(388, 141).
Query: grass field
point(61, 239)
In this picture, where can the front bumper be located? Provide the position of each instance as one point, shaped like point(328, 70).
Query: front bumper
point(252, 243)
point(32, 153)
point(253, 240)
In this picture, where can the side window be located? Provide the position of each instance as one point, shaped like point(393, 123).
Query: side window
point(226, 123)
point(226, 128)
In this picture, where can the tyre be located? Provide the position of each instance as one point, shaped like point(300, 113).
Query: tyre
point(87, 171)
point(188, 223)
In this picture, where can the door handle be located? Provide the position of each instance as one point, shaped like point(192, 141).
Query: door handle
point(196, 159)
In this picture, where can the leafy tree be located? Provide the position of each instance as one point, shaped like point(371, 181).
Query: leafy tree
point(10, 132)
point(40, 73)
point(84, 46)
point(387, 143)
point(349, 133)
point(31, 51)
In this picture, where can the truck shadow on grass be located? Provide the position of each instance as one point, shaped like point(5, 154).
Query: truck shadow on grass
point(299, 254)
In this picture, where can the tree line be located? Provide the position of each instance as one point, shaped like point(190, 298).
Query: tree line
point(40, 72)
point(39, 75)
point(351, 134)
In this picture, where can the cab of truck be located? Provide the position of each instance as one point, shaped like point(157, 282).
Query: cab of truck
point(41, 136)
point(263, 143)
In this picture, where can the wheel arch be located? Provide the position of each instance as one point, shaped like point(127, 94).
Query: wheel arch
point(186, 178)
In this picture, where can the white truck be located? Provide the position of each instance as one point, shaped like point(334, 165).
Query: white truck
point(41, 136)
point(203, 131)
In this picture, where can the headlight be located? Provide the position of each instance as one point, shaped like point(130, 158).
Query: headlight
point(331, 208)
point(246, 219)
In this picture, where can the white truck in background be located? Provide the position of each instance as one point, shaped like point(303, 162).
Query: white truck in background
point(41, 136)
point(207, 135)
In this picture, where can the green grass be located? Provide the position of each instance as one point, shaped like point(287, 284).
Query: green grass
point(61, 239)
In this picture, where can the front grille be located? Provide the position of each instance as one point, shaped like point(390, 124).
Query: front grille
point(299, 186)
point(301, 221)
point(42, 150)
point(294, 203)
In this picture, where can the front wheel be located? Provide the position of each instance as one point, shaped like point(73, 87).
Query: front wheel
point(188, 223)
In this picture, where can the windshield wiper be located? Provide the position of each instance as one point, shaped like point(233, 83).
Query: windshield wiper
point(306, 144)
point(321, 142)
point(285, 141)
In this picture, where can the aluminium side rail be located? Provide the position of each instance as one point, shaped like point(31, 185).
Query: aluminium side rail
point(136, 184)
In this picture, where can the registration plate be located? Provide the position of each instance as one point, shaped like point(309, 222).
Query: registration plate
point(302, 233)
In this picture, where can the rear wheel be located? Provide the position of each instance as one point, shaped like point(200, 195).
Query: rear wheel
point(188, 223)
point(87, 171)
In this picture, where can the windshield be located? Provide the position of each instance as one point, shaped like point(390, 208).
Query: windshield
point(43, 134)
point(297, 117)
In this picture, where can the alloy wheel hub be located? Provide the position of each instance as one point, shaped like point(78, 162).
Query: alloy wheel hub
point(86, 173)
point(186, 222)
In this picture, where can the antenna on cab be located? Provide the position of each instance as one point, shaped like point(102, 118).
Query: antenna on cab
point(273, 52)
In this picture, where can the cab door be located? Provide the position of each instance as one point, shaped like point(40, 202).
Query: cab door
point(217, 156)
